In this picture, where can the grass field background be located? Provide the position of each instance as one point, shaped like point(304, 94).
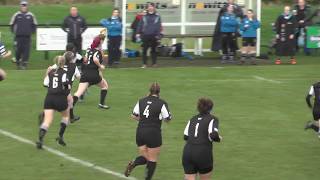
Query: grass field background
point(261, 120)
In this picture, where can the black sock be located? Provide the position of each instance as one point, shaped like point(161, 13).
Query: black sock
point(42, 133)
point(71, 113)
point(140, 160)
point(150, 169)
point(315, 128)
point(63, 127)
point(75, 100)
point(103, 94)
point(81, 97)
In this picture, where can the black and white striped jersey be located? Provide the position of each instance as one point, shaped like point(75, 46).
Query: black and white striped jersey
point(90, 65)
point(151, 110)
point(72, 71)
point(57, 82)
point(200, 127)
point(315, 91)
point(2, 50)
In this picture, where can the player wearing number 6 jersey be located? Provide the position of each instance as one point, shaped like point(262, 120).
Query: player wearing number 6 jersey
point(56, 100)
point(149, 112)
point(199, 134)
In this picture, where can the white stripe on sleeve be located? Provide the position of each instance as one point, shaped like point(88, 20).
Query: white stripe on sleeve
point(311, 92)
point(46, 81)
point(136, 110)
point(164, 113)
point(186, 130)
point(211, 128)
point(77, 74)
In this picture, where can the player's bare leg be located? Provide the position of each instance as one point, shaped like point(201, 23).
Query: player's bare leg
point(103, 94)
point(140, 160)
point(190, 176)
point(153, 154)
point(48, 118)
point(81, 89)
point(63, 125)
point(205, 176)
point(72, 117)
point(3, 75)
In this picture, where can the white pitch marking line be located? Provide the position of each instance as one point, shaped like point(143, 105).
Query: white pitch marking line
point(265, 79)
point(66, 156)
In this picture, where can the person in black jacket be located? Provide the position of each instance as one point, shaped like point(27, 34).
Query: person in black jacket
point(301, 12)
point(75, 25)
point(286, 28)
point(135, 23)
point(217, 37)
point(23, 23)
point(149, 30)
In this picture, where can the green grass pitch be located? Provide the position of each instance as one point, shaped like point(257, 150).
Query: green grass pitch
point(262, 113)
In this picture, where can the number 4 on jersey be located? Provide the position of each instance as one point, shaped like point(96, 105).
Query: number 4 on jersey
point(146, 111)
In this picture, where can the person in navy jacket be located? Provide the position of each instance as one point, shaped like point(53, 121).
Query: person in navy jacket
point(248, 31)
point(229, 28)
point(114, 27)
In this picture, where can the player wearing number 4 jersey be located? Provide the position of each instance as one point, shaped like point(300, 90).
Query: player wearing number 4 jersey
point(199, 134)
point(149, 112)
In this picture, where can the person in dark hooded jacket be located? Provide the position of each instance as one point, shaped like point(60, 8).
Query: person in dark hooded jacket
point(217, 38)
point(286, 28)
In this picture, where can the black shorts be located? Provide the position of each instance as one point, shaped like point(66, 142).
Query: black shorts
point(91, 78)
point(316, 113)
point(249, 41)
point(149, 136)
point(56, 102)
point(197, 159)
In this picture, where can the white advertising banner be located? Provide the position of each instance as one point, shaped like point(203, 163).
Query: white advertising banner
point(55, 39)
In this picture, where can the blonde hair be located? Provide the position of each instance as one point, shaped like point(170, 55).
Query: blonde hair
point(68, 56)
point(59, 61)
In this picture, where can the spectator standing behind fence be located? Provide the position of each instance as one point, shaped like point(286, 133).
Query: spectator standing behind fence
point(114, 27)
point(301, 12)
point(216, 41)
point(23, 23)
point(229, 28)
point(286, 28)
point(149, 30)
point(74, 25)
point(248, 31)
point(135, 24)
